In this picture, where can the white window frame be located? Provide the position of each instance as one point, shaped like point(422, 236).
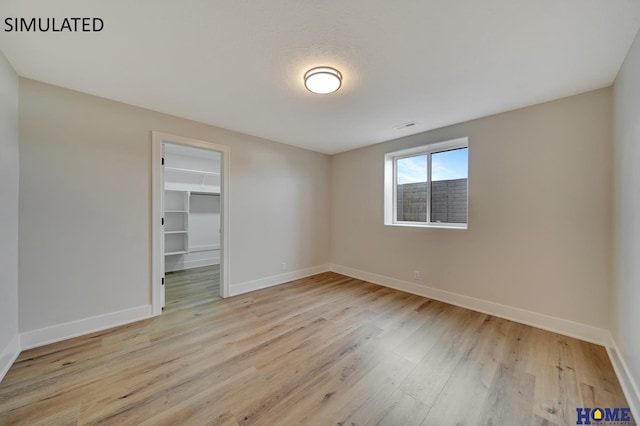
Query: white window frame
point(390, 187)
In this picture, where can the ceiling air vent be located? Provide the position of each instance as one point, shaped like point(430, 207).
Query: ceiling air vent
point(404, 125)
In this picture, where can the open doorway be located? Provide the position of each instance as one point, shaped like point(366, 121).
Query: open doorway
point(191, 224)
point(189, 238)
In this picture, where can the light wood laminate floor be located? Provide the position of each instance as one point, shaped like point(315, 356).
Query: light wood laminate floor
point(324, 350)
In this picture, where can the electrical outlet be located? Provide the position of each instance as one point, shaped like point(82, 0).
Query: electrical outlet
point(283, 266)
point(416, 275)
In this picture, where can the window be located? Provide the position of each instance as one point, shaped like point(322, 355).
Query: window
point(427, 185)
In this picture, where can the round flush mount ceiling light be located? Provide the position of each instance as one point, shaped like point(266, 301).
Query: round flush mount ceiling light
point(322, 80)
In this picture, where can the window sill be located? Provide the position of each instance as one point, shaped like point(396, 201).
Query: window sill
point(430, 225)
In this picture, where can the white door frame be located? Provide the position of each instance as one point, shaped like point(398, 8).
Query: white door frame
point(157, 200)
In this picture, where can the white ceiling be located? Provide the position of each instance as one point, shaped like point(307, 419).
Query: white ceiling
point(238, 64)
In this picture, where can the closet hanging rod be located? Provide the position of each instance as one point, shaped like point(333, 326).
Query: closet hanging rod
point(203, 193)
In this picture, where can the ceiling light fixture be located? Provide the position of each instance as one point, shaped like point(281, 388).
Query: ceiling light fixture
point(322, 80)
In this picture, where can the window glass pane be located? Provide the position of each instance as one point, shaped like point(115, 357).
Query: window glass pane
point(449, 186)
point(411, 189)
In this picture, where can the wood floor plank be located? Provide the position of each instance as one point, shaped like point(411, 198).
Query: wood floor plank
point(436, 366)
point(322, 350)
point(510, 398)
point(462, 399)
point(373, 390)
point(315, 368)
point(400, 409)
point(557, 390)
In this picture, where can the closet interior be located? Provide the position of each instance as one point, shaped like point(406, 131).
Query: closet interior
point(191, 208)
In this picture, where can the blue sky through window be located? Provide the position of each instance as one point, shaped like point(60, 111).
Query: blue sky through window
point(446, 165)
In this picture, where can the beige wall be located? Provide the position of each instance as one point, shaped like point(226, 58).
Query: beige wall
point(539, 212)
point(625, 307)
point(8, 212)
point(85, 176)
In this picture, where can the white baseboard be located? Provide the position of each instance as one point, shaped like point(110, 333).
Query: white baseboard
point(247, 286)
point(8, 355)
point(557, 325)
point(67, 330)
point(628, 384)
point(190, 264)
